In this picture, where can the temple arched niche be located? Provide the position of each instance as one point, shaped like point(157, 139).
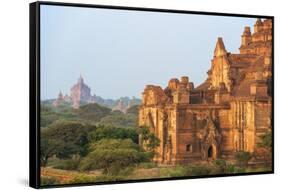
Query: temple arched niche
point(211, 152)
point(210, 140)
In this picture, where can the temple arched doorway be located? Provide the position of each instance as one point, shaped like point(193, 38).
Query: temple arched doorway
point(211, 152)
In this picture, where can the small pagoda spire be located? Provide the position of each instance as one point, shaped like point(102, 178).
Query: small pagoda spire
point(80, 80)
point(60, 93)
point(60, 96)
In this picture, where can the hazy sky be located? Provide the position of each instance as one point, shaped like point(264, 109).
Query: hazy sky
point(118, 52)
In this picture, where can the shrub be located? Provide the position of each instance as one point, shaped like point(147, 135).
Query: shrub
point(69, 164)
point(243, 158)
point(126, 171)
point(197, 170)
point(113, 155)
point(147, 165)
point(266, 140)
point(230, 169)
point(221, 165)
point(177, 171)
point(265, 149)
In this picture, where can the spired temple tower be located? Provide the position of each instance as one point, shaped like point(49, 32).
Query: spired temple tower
point(59, 100)
point(225, 114)
point(80, 92)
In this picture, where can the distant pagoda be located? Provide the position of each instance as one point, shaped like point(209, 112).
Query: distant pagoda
point(80, 92)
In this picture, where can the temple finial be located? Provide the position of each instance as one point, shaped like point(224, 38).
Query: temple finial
point(220, 48)
point(80, 80)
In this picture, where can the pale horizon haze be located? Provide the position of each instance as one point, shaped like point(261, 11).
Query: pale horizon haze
point(118, 52)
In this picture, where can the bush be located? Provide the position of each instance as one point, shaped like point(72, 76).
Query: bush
point(243, 158)
point(177, 171)
point(113, 155)
point(69, 164)
point(147, 165)
point(221, 165)
point(197, 170)
point(49, 181)
point(126, 171)
point(230, 169)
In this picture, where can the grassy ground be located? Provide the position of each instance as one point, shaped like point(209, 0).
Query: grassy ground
point(53, 176)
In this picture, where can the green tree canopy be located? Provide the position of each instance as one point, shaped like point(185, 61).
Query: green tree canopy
point(92, 112)
point(119, 119)
point(108, 132)
point(149, 140)
point(112, 155)
point(47, 116)
point(64, 139)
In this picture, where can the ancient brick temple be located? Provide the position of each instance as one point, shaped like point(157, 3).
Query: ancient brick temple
point(80, 92)
point(225, 114)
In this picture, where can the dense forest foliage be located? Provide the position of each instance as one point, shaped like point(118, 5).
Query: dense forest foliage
point(90, 114)
point(94, 143)
point(92, 137)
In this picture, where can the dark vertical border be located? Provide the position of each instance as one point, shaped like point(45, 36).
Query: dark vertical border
point(34, 96)
point(34, 90)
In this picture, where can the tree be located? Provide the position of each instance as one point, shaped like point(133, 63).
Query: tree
point(92, 112)
point(148, 139)
point(119, 119)
point(108, 132)
point(65, 139)
point(113, 155)
point(48, 116)
point(48, 147)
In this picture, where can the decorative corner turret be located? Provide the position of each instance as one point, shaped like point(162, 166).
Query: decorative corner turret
point(246, 37)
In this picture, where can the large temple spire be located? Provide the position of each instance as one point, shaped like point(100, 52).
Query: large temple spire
point(220, 48)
